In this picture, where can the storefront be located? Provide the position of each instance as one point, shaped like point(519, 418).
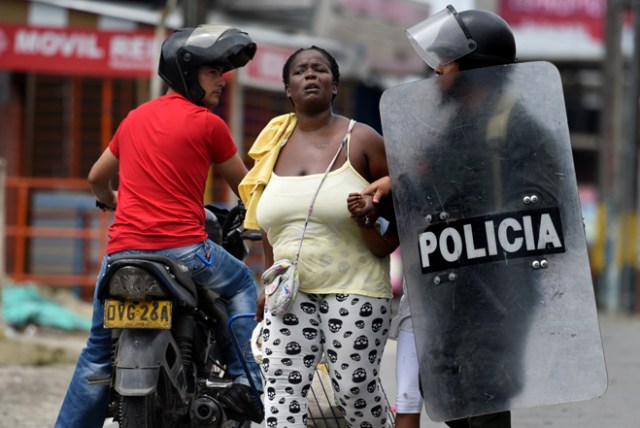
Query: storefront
point(65, 87)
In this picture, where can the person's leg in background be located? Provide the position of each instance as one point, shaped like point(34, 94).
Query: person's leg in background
point(85, 404)
point(408, 397)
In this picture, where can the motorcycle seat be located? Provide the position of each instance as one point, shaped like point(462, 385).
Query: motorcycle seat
point(180, 271)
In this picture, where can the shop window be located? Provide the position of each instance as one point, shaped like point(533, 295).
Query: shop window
point(65, 119)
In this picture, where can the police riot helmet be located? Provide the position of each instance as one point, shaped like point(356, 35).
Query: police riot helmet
point(184, 51)
point(474, 38)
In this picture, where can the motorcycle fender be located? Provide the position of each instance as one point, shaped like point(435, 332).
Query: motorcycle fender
point(141, 354)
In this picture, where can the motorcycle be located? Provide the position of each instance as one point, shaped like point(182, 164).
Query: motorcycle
point(170, 336)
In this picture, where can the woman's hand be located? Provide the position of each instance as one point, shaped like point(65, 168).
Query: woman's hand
point(363, 206)
point(362, 209)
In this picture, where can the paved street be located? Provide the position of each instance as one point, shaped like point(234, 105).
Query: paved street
point(618, 408)
point(31, 395)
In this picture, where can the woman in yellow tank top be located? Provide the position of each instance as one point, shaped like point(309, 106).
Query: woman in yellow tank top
point(343, 307)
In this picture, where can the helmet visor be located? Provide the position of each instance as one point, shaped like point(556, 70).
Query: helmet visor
point(441, 38)
point(204, 36)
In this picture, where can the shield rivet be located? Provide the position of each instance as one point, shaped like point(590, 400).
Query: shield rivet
point(443, 215)
point(526, 200)
point(535, 264)
point(452, 277)
point(534, 199)
point(436, 280)
point(544, 264)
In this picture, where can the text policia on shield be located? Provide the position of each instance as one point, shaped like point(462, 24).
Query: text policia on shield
point(490, 238)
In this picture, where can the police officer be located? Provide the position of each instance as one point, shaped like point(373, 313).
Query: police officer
point(451, 42)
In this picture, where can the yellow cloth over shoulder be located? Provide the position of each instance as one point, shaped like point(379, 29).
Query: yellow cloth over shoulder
point(265, 152)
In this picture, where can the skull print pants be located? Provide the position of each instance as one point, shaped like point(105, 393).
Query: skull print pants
point(351, 330)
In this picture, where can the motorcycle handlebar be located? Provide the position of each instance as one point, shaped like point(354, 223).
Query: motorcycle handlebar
point(229, 220)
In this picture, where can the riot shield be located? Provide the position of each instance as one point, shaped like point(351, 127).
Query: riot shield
point(492, 239)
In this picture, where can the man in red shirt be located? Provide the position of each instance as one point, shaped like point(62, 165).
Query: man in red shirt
point(162, 152)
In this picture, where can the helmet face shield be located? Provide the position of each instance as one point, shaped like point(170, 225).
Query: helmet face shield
point(442, 38)
point(204, 36)
point(218, 45)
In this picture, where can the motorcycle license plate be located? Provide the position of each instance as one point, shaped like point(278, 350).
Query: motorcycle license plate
point(128, 314)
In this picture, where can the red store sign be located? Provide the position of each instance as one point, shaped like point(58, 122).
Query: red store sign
point(131, 54)
point(586, 14)
point(84, 52)
point(264, 71)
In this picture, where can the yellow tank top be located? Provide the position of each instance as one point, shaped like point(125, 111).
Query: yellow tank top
point(334, 257)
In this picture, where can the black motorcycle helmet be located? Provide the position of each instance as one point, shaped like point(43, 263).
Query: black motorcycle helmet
point(474, 38)
point(188, 48)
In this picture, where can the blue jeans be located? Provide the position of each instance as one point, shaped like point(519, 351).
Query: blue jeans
point(85, 404)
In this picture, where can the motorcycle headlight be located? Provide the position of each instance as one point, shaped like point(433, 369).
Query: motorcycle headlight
point(133, 283)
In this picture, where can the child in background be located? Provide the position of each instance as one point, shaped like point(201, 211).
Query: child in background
point(408, 395)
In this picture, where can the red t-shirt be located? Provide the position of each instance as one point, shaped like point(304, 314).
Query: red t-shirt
point(165, 148)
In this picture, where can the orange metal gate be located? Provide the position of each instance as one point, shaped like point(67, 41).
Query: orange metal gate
point(91, 232)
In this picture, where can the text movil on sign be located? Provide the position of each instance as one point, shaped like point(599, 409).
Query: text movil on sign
point(490, 238)
point(87, 52)
point(52, 43)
